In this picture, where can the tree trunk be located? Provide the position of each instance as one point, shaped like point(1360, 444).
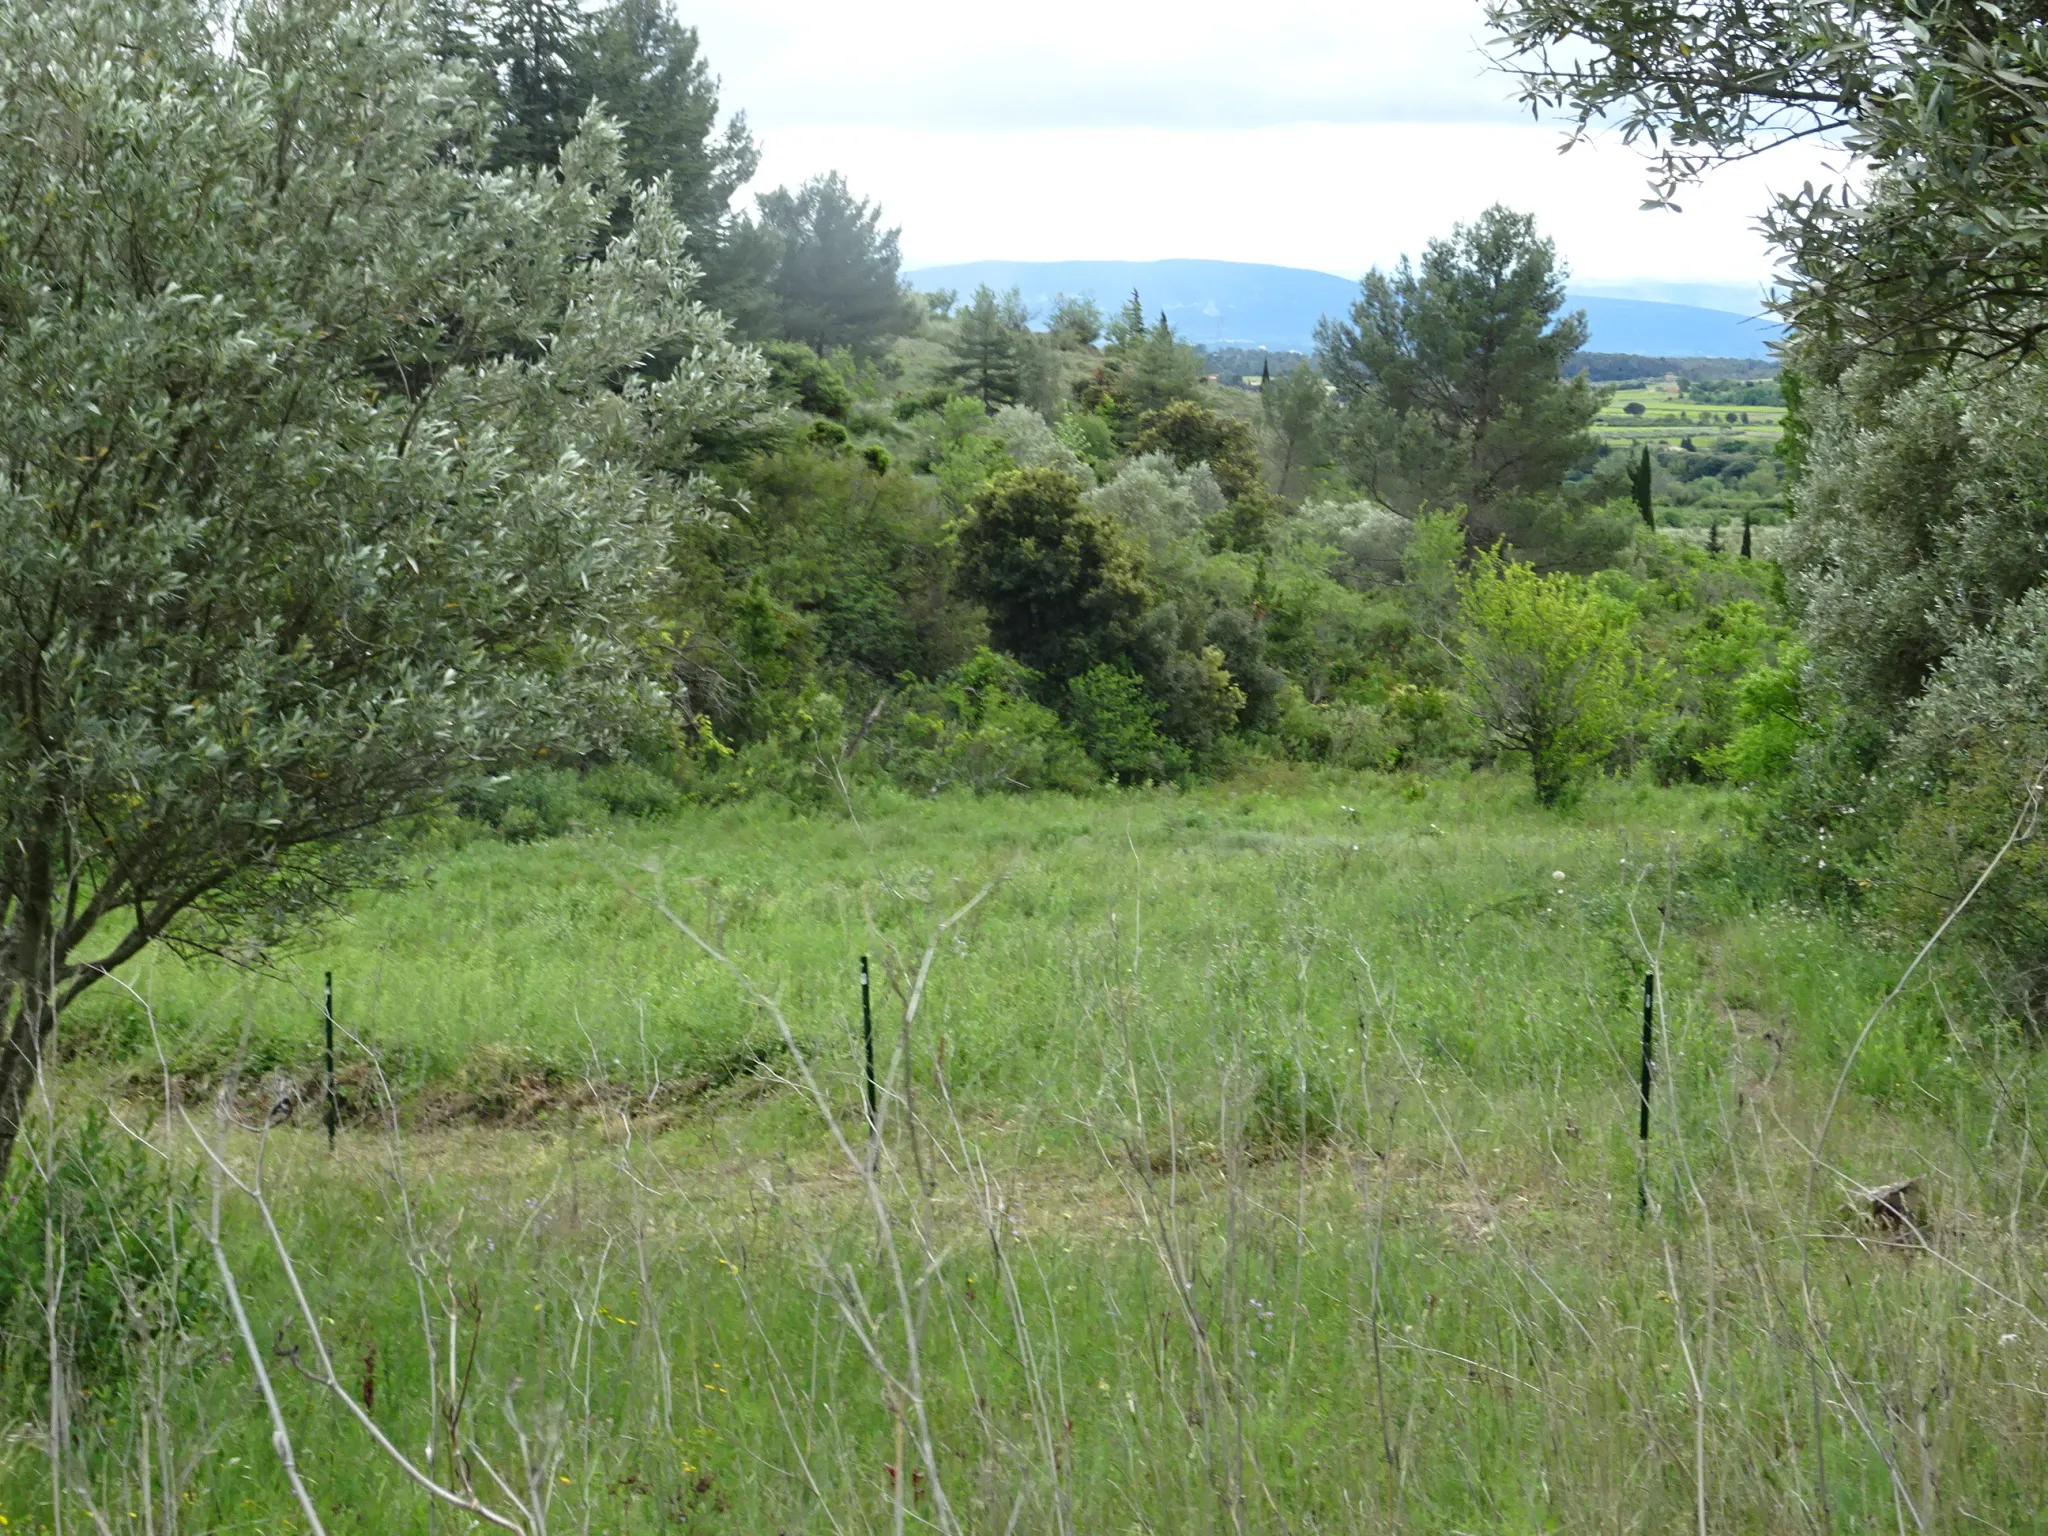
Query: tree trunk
point(29, 968)
point(20, 1059)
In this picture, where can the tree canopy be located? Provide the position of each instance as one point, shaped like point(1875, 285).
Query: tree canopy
point(835, 272)
point(543, 65)
point(1064, 586)
point(1944, 101)
point(990, 339)
point(343, 487)
point(1449, 372)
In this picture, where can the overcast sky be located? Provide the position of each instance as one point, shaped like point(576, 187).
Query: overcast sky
point(1334, 134)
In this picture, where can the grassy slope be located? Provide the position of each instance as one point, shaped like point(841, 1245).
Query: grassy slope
point(1145, 1299)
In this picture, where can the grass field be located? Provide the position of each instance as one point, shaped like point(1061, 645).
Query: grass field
point(1256, 1158)
point(1667, 417)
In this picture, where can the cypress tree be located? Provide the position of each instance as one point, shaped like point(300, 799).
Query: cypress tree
point(1714, 537)
point(1745, 534)
point(1639, 483)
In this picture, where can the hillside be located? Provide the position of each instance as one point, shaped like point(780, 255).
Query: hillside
point(1238, 303)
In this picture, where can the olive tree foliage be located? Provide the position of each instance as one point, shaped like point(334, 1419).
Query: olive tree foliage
point(329, 480)
point(1165, 509)
point(1943, 102)
point(1920, 557)
point(1032, 444)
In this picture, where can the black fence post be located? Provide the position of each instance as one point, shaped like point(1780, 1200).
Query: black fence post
point(332, 1118)
point(867, 1037)
point(1649, 1067)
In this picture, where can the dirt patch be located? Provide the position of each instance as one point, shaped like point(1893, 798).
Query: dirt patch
point(509, 1097)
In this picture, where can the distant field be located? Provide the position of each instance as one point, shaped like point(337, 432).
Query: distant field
point(1667, 418)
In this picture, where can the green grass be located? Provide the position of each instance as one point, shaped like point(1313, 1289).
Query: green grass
point(1668, 417)
point(552, 959)
point(1266, 1161)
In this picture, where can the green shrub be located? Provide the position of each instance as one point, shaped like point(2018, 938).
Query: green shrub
point(532, 803)
point(1343, 734)
point(1551, 670)
point(1944, 846)
point(632, 789)
point(1770, 724)
point(981, 729)
point(536, 802)
point(1063, 585)
point(1117, 723)
point(806, 380)
point(1430, 725)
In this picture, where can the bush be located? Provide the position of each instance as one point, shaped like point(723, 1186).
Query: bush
point(1551, 670)
point(632, 789)
point(1344, 735)
point(1117, 723)
point(1944, 846)
point(535, 802)
point(1770, 724)
point(528, 804)
point(806, 380)
point(1064, 586)
point(980, 729)
point(1193, 434)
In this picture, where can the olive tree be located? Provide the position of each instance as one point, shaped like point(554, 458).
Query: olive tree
point(330, 476)
point(1935, 250)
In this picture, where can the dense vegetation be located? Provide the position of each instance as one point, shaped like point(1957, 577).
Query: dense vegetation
point(421, 474)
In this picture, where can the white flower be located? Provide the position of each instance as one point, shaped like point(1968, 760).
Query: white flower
point(1557, 874)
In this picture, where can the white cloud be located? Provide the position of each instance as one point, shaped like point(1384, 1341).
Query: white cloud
point(1073, 63)
point(1320, 133)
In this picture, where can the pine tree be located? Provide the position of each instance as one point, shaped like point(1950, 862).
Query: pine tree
point(1440, 416)
point(1127, 330)
point(988, 349)
point(533, 48)
point(1639, 478)
point(837, 274)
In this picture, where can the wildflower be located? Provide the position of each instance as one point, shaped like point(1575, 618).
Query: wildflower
point(1558, 874)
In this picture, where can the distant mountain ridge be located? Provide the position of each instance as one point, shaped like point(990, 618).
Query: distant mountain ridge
point(1249, 304)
